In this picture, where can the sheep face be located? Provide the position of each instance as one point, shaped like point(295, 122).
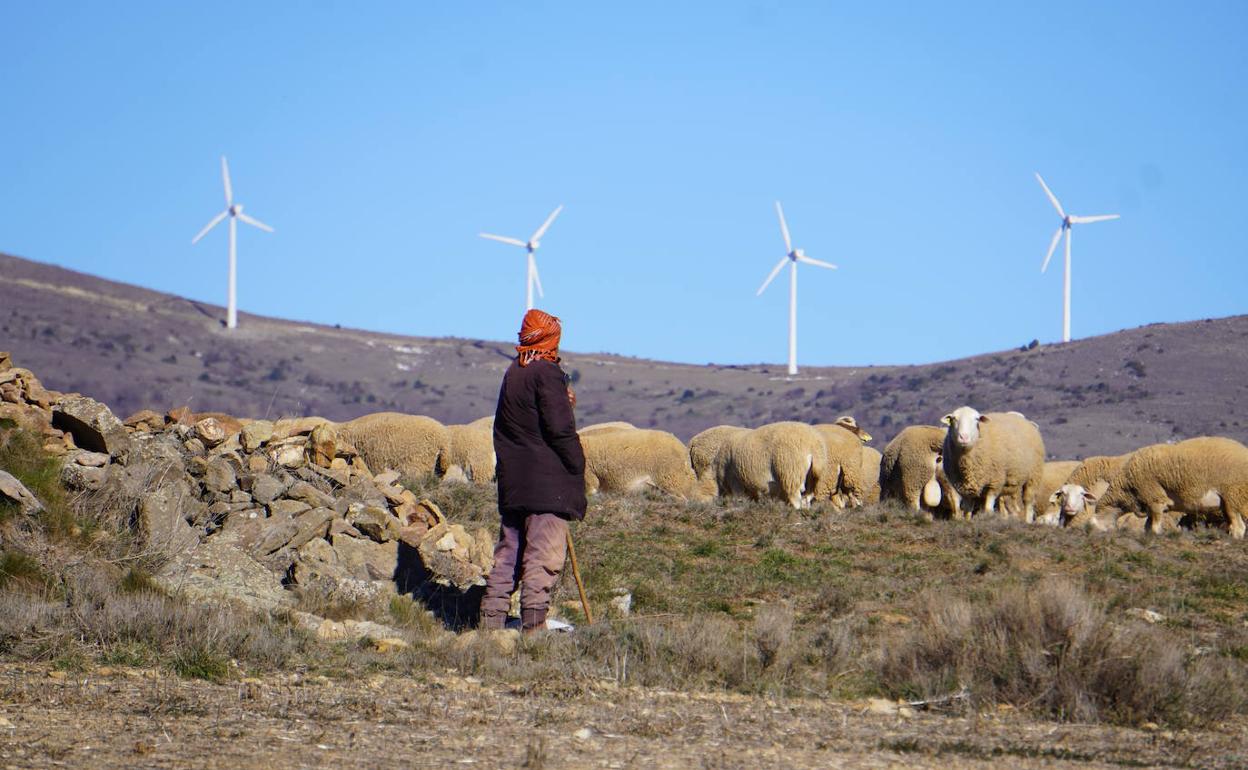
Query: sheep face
point(963, 425)
point(1072, 499)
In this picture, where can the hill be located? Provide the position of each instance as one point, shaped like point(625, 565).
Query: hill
point(135, 348)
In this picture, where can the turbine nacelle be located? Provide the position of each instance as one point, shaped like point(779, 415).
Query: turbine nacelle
point(236, 209)
point(797, 254)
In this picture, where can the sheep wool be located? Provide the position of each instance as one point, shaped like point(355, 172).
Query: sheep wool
point(871, 459)
point(702, 450)
point(783, 460)
point(843, 483)
point(910, 470)
point(1191, 477)
point(607, 427)
point(471, 455)
point(414, 445)
point(631, 460)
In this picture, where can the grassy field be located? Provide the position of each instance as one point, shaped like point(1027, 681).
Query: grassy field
point(733, 598)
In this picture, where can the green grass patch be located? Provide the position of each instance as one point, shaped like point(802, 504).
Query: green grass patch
point(198, 662)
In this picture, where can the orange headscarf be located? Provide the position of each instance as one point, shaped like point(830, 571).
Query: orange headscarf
point(539, 337)
point(539, 340)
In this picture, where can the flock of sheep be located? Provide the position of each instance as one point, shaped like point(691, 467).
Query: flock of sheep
point(971, 464)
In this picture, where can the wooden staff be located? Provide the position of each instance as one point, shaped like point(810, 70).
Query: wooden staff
point(576, 574)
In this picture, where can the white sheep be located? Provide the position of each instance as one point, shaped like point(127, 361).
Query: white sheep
point(702, 450)
point(1191, 477)
point(911, 472)
point(1076, 498)
point(1055, 475)
point(843, 483)
point(414, 445)
point(994, 459)
point(630, 460)
point(471, 455)
point(783, 460)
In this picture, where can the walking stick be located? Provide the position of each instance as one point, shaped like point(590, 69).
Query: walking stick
point(576, 573)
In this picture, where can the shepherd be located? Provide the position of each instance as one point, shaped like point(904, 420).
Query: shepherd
point(540, 475)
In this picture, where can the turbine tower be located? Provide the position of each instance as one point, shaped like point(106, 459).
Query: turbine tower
point(530, 246)
point(235, 212)
point(792, 256)
point(1067, 221)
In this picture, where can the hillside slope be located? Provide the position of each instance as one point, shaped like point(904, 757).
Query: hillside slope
point(135, 348)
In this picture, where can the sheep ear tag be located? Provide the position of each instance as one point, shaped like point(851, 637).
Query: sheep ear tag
point(931, 493)
point(864, 436)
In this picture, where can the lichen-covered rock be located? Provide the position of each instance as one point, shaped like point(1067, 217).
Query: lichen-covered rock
point(13, 492)
point(81, 478)
point(162, 515)
point(219, 571)
point(365, 559)
point(255, 434)
point(322, 445)
point(306, 493)
point(93, 426)
point(266, 488)
point(219, 476)
point(375, 522)
point(456, 558)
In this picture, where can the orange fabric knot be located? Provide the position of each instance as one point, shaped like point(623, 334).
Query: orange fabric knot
point(539, 337)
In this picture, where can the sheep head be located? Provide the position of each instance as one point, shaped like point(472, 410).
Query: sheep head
point(1072, 500)
point(963, 425)
point(851, 425)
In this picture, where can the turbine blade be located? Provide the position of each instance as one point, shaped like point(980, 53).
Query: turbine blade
point(537, 236)
point(537, 280)
point(774, 272)
point(1052, 197)
point(1057, 236)
point(1089, 220)
point(503, 239)
point(254, 222)
point(816, 262)
point(784, 229)
point(225, 175)
point(215, 221)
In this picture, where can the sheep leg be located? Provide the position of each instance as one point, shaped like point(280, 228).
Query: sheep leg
point(1234, 518)
point(1156, 517)
point(990, 503)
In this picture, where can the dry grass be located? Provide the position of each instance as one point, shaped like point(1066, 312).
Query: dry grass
point(742, 597)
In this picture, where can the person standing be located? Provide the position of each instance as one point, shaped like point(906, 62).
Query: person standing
point(540, 475)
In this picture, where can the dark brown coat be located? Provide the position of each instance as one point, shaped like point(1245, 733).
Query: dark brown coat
point(541, 466)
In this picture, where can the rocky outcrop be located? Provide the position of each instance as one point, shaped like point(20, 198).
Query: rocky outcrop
point(255, 512)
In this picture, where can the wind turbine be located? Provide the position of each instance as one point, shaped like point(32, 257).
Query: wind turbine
point(1067, 221)
point(530, 246)
point(234, 211)
point(792, 256)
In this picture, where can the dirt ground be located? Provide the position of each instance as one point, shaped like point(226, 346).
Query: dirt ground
point(138, 718)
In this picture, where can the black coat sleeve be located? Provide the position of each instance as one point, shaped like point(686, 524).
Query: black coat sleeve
point(558, 423)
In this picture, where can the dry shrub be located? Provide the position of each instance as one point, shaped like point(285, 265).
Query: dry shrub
point(1053, 650)
point(773, 635)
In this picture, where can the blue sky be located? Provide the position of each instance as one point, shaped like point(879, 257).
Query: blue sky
point(900, 137)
